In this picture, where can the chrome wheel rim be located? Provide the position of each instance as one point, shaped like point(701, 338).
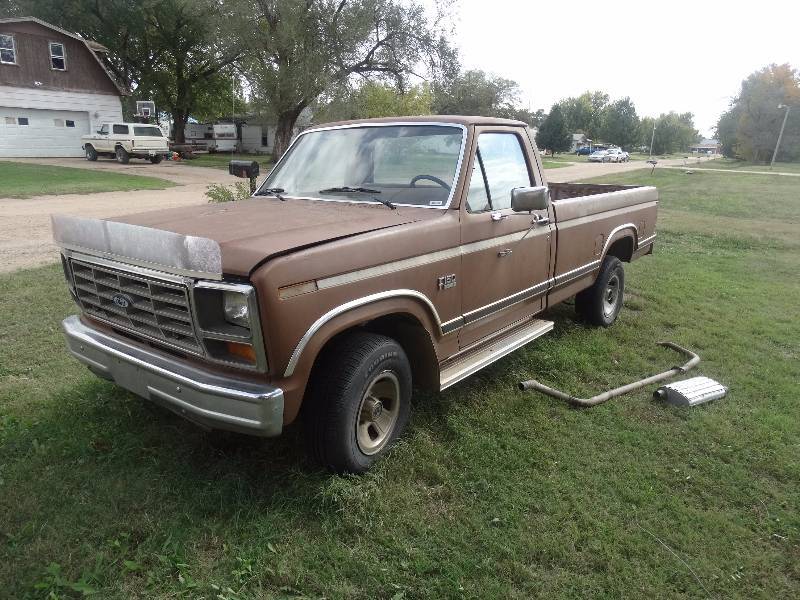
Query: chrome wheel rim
point(611, 295)
point(378, 412)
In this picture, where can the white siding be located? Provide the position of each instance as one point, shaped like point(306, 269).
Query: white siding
point(43, 137)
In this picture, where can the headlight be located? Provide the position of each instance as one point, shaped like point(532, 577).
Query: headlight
point(236, 308)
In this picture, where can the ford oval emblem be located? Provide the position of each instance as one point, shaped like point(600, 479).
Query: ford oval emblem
point(121, 300)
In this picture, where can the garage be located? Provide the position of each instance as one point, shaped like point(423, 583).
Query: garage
point(38, 132)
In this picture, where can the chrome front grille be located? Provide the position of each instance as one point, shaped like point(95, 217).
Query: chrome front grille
point(151, 308)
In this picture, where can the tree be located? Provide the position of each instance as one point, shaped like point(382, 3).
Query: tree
point(303, 48)
point(553, 134)
point(178, 53)
point(674, 132)
point(476, 92)
point(750, 127)
point(620, 123)
point(375, 99)
point(584, 113)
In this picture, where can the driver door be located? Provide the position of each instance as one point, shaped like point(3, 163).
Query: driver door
point(506, 259)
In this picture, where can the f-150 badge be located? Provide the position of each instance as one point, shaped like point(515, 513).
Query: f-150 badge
point(446, 281)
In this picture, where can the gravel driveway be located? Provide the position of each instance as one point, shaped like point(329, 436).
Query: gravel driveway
point(25, 236)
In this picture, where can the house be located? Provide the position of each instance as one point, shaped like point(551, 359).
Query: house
point(54, 88)
point(258, 134)
point(579, 140)
point(706, 146)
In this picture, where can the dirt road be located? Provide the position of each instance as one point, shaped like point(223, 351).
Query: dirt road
point(25, 236)
point(586, 170)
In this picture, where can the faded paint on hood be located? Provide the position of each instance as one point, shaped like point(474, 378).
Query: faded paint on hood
point(253, 230)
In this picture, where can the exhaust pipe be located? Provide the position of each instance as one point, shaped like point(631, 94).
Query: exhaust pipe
point(532, 384)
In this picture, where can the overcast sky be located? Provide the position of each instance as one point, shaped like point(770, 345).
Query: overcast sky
point(681, 56)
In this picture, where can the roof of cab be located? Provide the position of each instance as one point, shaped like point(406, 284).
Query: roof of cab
point(455, 119)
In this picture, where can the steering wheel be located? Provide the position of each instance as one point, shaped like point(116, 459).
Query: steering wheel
point(431, 178)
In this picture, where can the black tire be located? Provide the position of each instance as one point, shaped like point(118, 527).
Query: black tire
point(156, 159)
point(122, 155)
point(600, 304)
point(337, 409)
point(91, 153)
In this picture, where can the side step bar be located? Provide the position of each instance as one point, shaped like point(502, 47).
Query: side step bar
point(474, 361)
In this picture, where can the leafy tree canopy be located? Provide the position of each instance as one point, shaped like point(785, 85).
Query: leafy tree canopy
point(553, 134)
point(749, 129)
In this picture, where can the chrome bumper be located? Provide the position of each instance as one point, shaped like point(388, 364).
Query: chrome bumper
point(212, 400)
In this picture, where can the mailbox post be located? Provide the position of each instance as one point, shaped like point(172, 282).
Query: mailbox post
point(247, 169)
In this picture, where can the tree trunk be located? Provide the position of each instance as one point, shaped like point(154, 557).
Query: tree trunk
point(283, 132)
point(179, 118)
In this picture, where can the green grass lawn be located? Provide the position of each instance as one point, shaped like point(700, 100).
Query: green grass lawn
point(740, 165)
point(23, 180)
point(554, 164)
point(493, 493)
point(221, 160)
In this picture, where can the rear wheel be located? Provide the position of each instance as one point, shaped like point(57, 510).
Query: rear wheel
point(601, 303)
point(91, 153)
point(122, 155)
point(156, 159)
point(359, 401)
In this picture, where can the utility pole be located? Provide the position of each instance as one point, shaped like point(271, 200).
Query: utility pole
point(652, 139)
point(780, 135)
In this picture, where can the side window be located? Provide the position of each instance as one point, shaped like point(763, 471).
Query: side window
point(501, 167)
point(104, 129)
point(8, 51)
point(122, 129)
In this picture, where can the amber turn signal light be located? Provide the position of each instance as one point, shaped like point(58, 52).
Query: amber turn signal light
point(243, 351)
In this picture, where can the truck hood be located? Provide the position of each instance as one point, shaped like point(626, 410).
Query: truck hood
point(254, 230)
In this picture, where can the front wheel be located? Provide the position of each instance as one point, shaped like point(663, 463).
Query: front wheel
point(359, 401)
point(123, 157)
point(601, 303)
point(91, 153)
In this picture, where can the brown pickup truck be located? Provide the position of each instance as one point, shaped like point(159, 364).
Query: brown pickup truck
point(377, 256)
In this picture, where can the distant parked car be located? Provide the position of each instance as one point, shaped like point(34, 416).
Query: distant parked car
point(125, 140)
point(599, 156)
point(618, 155)
point(585, 151)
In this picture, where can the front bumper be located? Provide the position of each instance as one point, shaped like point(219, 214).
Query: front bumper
point(207, 398)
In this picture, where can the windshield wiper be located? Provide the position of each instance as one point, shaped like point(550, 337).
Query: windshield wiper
point(349, 188)
point(345, 189)
point(272, 192)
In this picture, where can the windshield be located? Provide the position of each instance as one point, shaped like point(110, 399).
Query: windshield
point(406, 164)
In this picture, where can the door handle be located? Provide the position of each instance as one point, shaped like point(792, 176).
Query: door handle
point(505, 252)
point(539, 220)
point(496, 216)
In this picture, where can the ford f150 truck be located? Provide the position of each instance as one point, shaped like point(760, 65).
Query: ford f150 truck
point(377, 256)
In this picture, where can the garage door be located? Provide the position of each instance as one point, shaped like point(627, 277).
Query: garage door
point(34, 132)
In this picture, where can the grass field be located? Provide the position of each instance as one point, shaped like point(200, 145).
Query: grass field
point(554, 164)
point(221, 160)
point(740, 165)
point(493, 493)
point(21, 180)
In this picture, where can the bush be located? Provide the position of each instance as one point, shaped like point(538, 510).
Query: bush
point(224, 193)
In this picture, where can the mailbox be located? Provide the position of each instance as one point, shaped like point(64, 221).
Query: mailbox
point(247, 169)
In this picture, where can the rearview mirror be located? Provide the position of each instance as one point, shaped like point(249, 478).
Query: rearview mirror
point(527, 199)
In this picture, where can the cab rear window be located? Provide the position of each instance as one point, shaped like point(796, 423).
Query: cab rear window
point(148, 131)
point(123, 129)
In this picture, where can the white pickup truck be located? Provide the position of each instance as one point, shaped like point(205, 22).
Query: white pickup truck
point(125, 140)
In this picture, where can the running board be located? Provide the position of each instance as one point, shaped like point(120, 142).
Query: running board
point(492, 351)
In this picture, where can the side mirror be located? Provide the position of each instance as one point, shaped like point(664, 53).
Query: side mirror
point(527, 199)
